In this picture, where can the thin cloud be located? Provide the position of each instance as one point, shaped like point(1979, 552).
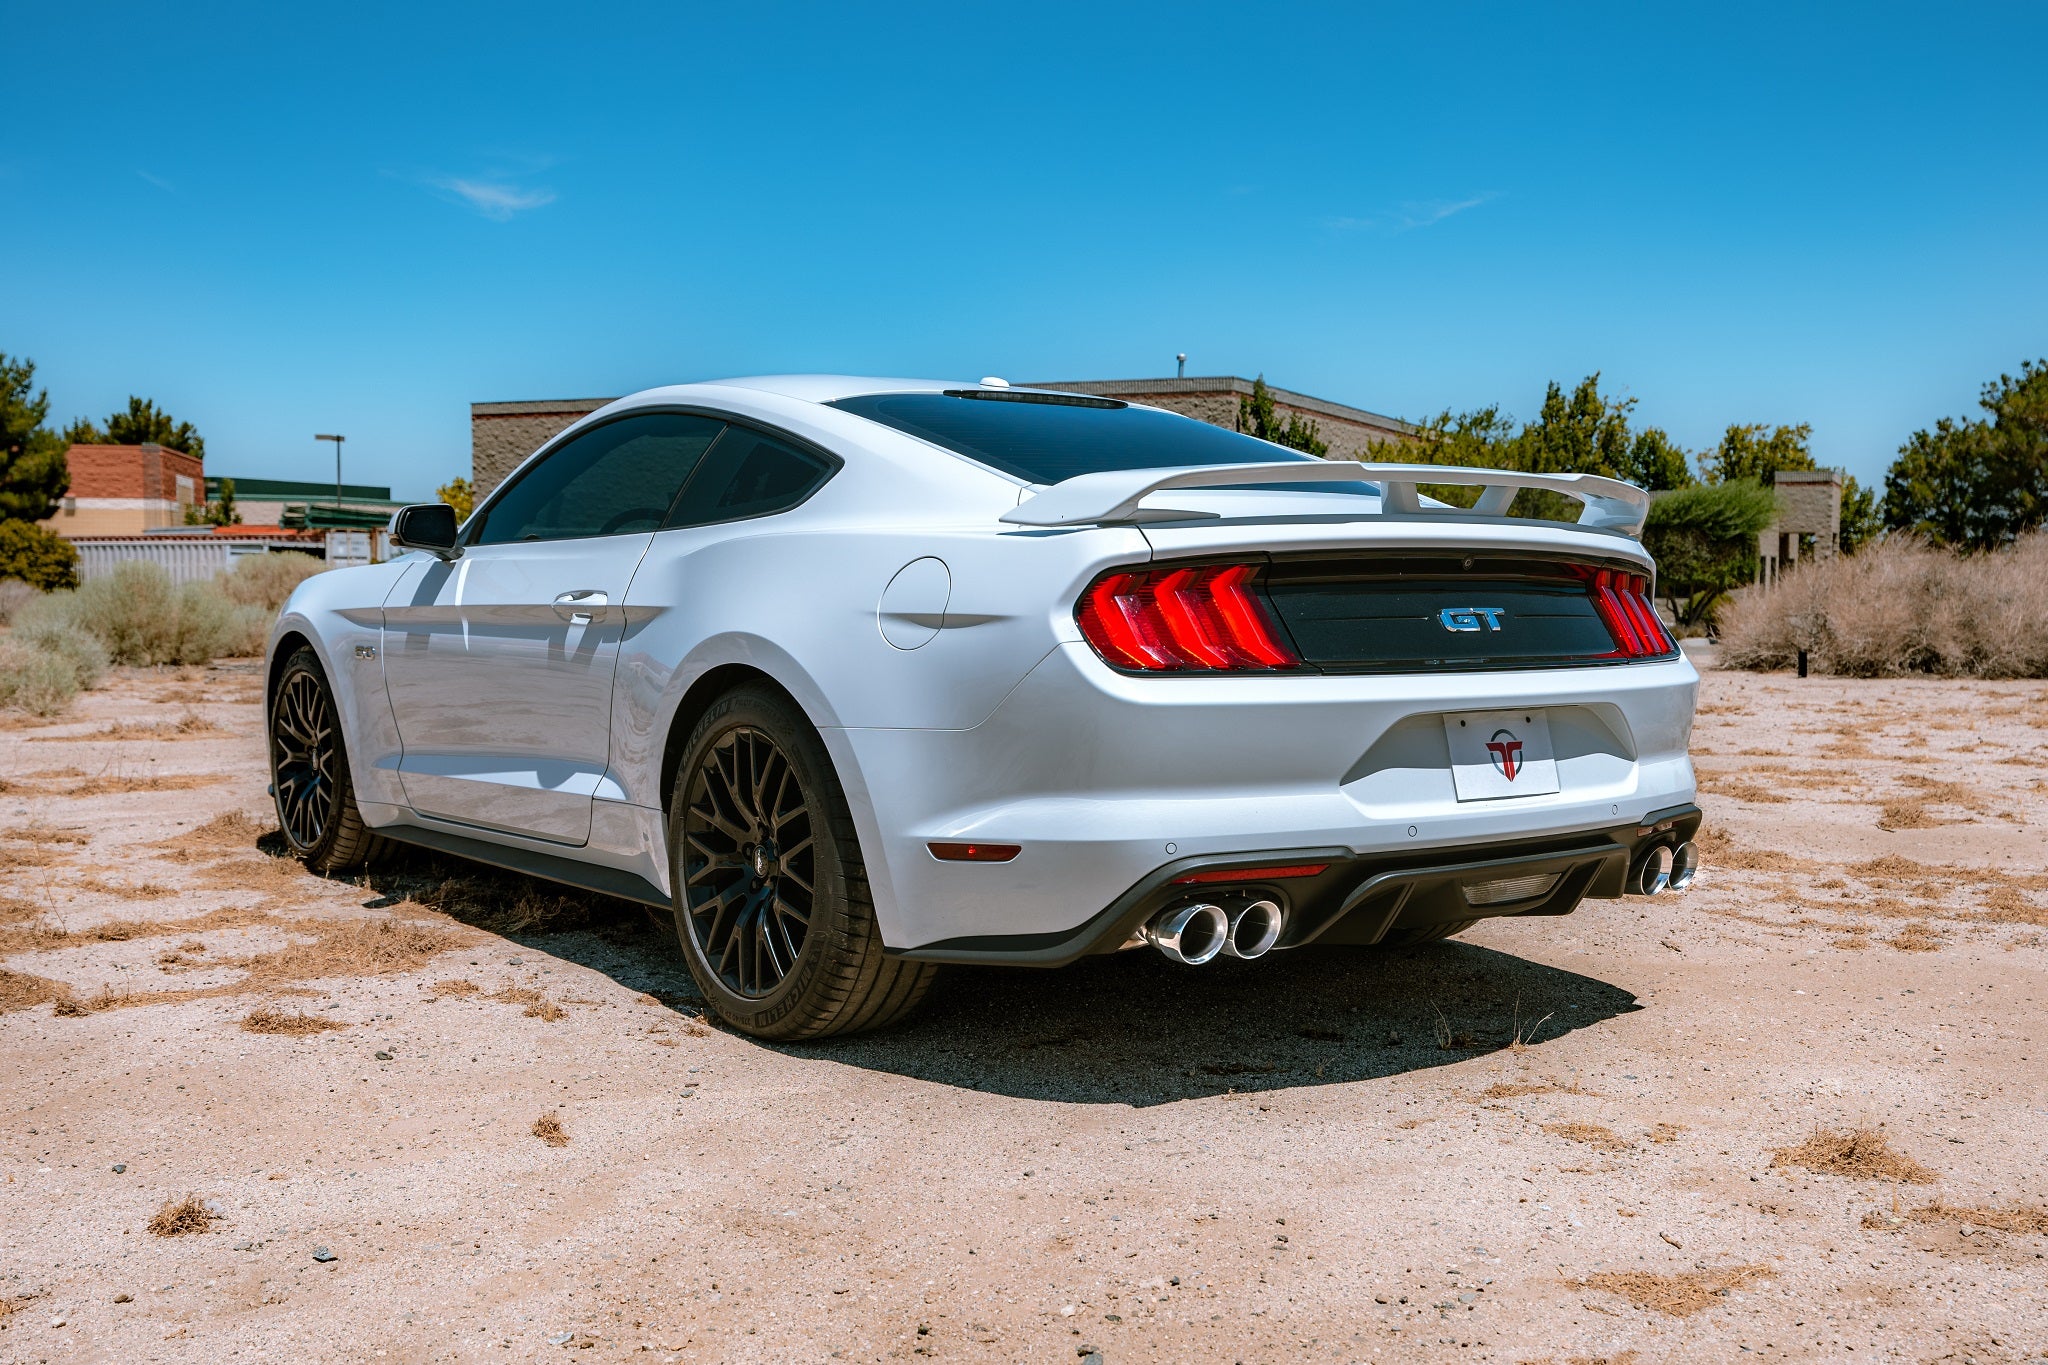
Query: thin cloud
point(1411, 215)
point(494, 199)
point(160, 183)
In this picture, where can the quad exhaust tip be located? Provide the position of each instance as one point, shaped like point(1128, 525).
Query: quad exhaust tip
point(1189, 934)
point(1664, 868)
point(1201, 932)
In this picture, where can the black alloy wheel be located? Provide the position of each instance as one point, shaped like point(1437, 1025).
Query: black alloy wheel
point(305, 752)
point(771, 899)
point(309, 773)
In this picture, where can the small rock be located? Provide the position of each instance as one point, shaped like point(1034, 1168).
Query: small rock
point(510, 961)
point(1067, 1310)
point(57, 1322)
point(1092, 1358)
point(561, 1338)
point(322, 1255)
point(124, 1298)
point(120, 1168)
point(245, 1246)
point(1174, 1280)
point(383, 1056)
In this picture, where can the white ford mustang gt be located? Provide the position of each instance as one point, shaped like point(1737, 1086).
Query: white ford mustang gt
point(856, 677)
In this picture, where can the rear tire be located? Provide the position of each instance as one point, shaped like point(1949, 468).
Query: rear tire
point(770, 892)
point(309, 773)
point(1427, 933)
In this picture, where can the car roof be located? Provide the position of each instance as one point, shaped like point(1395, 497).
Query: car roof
point(830, 388)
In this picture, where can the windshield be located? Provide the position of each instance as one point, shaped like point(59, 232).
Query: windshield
point(1044, 438)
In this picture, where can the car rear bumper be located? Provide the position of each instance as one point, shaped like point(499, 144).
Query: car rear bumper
point(1108, 781)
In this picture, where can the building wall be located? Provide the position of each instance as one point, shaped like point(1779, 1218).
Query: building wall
point(125, 490)
point(502, 435)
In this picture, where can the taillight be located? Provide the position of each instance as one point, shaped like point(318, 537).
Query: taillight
point(1205, 618)
point(1623, 601)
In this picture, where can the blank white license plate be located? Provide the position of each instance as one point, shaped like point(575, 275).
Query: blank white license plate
point(1501, 753)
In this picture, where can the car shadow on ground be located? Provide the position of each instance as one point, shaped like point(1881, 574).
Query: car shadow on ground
point(1128, 1028)
point(1135, 1029)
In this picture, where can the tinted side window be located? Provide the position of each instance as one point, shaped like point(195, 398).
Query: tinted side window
point(617, 478)
point(748, 474)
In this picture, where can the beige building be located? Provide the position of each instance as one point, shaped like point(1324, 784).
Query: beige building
point(1809, 505)
point(503, 434)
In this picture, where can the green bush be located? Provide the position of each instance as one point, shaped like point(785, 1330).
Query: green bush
point(1704, 541)
point(39, 558)
point(144, 618)
point(267, 580)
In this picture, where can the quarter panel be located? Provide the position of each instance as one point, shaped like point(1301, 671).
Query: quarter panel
point(337, 611)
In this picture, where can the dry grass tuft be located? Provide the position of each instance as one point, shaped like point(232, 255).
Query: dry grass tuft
point(538, 1006)
point(1592, 1134)
point(1508, 1090)
point(1666, 1132)
point(229, 830)
point(20, 991)
point(1908, 813)
point(191, 725)
point(548, 1128)
point(1860, 1154)
point(1917, 937)
point(352, 948)
point(182, 1217)
point(1680, 1295)
point(294, 1023)
point(1742, 789)
point(453, 986)
point(2019, 1218)
point(1717, 852)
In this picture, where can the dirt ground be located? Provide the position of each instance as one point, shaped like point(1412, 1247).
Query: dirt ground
point(1800, 1113)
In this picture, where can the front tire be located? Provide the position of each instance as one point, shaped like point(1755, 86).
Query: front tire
point(309, 773)
point(770, 892)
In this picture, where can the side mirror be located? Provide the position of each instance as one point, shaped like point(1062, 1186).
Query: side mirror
point(428, 526)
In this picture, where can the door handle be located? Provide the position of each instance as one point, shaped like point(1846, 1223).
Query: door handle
point(581, 606)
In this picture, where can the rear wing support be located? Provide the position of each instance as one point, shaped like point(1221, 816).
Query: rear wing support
point(1116, 496)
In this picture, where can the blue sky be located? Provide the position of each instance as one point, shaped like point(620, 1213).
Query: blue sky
point(278, 220)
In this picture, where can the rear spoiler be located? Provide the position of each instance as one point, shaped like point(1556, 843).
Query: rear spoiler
point(1115, 495)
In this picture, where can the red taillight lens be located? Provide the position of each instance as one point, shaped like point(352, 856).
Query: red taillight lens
point(1205, 618)
point(1623, 601)
point(1253, 874)
point(975, 853)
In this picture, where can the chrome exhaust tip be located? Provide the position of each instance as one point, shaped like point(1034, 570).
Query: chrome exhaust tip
point(1685, 865)
point(1189, 934)
point(1254, 928)
point(1651, 876)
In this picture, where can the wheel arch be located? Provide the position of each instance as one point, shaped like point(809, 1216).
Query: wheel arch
point(702, 693)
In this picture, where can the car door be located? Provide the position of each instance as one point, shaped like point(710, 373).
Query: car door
point(499, 664)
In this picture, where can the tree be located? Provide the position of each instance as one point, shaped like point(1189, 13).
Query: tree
point(1757, 452)
point(1862, 516)
point(40, 558)
point(1704, 541)
point(1977, 484)
point(33, 473)
point(1257, 416)
point(145, 423)
point(220, 511)
point(456, 493)
point(1584, 432)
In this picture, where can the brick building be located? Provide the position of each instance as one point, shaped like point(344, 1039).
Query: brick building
point(126, 490)
point(503, 434)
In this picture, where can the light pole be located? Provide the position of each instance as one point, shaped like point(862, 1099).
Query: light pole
point(337, 469)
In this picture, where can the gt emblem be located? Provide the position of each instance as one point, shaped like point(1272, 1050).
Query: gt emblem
point(1507, 753)
point(1470, 618)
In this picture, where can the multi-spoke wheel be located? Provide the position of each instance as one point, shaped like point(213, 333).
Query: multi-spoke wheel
point(771, 895)
point(309, 771)
point(750, 864)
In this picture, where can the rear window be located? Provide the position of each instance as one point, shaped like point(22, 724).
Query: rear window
point(1044, 438)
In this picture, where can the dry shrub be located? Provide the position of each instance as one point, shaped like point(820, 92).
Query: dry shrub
point(2019, 1218)
point(294, 1023)
point(1859, 1153)
point(14, 595)
point(20, 991)
point(43, 671)
point(1592, 1134)
point(1899, 607)
point(548, 1128)
point(1679, 1295)
point(267, 581)
point(182, 1217)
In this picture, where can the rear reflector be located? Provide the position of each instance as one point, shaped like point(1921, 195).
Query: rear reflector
point(1205, 618)
point(1253, 874)
point(975, 853)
